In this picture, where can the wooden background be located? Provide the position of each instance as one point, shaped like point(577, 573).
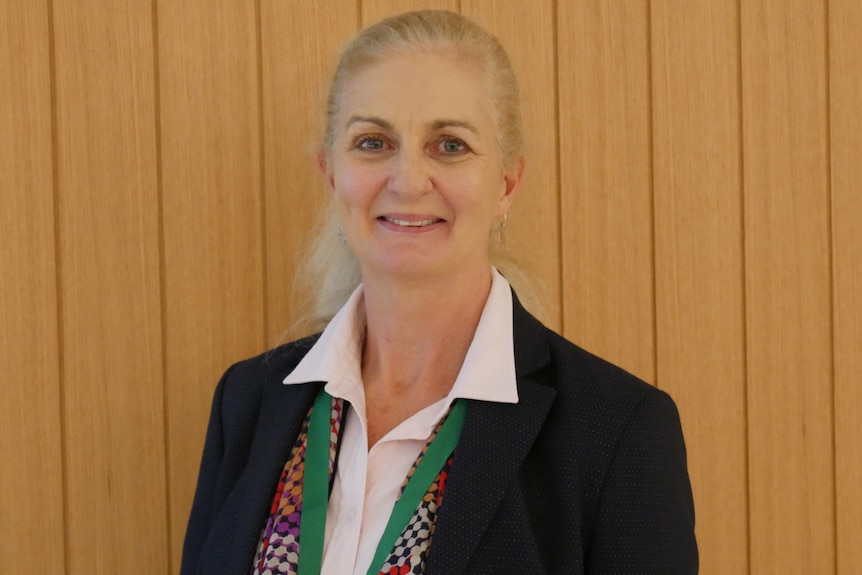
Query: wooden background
point(694, 172)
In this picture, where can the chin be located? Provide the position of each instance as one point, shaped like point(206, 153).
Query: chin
point(407, 266)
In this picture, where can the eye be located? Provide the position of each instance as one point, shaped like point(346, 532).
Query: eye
point(370, 143)
point(450, 146)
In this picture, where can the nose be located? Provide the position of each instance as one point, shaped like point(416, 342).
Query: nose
point(410, 176)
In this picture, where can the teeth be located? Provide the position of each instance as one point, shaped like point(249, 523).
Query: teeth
point(411, 224)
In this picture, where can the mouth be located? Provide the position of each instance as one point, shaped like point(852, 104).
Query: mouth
point(411, 223)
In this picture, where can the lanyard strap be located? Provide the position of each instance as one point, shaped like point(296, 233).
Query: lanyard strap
point(315, 485)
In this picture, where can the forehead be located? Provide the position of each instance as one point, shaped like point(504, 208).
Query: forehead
point(419, 87)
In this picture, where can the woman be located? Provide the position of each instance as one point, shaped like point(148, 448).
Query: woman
point(454, 433)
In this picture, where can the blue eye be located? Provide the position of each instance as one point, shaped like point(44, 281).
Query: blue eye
point(370, 143)
point(452, 146)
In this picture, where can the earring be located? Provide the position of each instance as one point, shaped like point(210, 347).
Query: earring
point(501, 231)
point(342, 239)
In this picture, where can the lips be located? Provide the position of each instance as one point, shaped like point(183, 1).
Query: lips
point(410, 223)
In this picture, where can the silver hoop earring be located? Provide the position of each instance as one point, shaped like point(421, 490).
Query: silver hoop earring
point(342, 239)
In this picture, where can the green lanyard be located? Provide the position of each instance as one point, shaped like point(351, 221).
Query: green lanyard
point(315, 485)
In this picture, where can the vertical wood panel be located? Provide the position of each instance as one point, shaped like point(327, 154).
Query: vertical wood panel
point(845, 76)
point(526, 30)
point(698, 231)
point(788, 287)
point(294, 100)
point(211, 185)
point(606, 203)
point(108, 210)
point(374, 10)
point(31, 477)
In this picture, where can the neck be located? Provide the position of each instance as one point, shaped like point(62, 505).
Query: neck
point(418, 333)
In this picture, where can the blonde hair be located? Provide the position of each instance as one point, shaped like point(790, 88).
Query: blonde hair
point(331, 271)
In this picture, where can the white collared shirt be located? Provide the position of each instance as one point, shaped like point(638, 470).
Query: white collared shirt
point(367, 482)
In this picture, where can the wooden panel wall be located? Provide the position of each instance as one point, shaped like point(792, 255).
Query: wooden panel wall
point(605, 180)
point(31, 479)
point(108, 263)
point(690, 209)
point(210, 142)
point(697, 174)
point(845, 125)
point(787, 284)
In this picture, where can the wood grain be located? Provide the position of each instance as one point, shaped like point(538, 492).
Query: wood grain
point(845, 89)
point(109, 270)
point(374, 10)
point(698, 232)
point(788, 289)
point(300, 45)
point(526, 31)
point(606, 196)
point(213, 230)
point(31, 477)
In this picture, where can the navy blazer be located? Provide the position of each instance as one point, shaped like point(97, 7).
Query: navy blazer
point(585, 474)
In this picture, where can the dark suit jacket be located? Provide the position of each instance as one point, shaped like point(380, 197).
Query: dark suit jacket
point(586, 474)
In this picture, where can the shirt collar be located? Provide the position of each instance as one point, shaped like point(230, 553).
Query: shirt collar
point(487, 374)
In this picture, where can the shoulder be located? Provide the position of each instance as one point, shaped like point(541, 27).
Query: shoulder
point(243, 384)
point(273, 363)
point(580, 379)
point(622, 443)
point(597, 405)
point(616, 444)
point(596, 397)
point(576, 373)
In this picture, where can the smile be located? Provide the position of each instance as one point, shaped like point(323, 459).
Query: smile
point(411, 223)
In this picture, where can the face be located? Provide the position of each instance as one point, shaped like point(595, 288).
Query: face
point(415, 170)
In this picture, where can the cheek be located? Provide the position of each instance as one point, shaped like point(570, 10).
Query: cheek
point(356, 186)
point(481, 193)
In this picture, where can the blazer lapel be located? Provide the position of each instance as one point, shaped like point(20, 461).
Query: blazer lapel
point(494, 443)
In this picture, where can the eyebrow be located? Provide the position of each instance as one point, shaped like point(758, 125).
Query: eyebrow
point(440, 124)
point(370, 120)
point(435, 125)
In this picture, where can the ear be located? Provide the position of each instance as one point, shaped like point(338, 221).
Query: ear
point(325, 167)
point(512, 182)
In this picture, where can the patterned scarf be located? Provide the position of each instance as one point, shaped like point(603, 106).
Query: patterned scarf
point(278, 549)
